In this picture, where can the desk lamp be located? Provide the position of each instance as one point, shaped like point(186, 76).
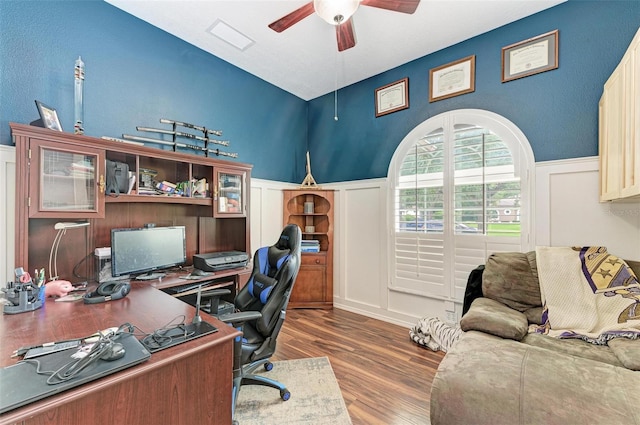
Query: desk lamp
point(61, 227)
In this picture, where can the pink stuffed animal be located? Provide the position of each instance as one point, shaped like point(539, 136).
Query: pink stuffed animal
point(58, 288)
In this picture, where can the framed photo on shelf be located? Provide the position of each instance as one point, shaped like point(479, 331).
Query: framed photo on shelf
point(528, 57)
point(392, 97)
point(452, 79)
point(48, 117)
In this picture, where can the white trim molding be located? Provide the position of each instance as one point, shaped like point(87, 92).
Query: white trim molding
point(7, 212)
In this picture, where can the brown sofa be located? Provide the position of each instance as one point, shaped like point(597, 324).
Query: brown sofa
point(497, 373)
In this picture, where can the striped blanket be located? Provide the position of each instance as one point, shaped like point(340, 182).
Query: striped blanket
point(587, 293)
point(434, 334)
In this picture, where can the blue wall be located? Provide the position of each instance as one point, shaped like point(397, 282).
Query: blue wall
point(137, 74)
point(556, 110)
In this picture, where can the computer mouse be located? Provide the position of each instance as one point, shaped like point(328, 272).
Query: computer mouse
point(198, 272)
point(113, 351)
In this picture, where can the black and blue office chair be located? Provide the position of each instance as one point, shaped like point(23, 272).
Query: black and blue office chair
point(261, 309)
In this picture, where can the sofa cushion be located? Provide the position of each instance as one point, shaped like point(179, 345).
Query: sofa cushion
point(628, 351)
point(635, 266)
point(534, 315)
point(512, 279)
point(486, 315)
point(574, 347)
point(487, 380)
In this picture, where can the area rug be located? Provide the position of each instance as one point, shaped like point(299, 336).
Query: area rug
point(315, 396)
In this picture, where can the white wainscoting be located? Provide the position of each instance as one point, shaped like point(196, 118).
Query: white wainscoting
point(266, 212)
point(7, 212)
point(567, 213)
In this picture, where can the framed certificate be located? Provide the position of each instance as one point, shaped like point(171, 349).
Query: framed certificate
point(392, 97)
point(528, 57)
point(452, 79)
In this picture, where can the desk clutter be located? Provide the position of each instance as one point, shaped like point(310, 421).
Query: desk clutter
point(29, 293)
point(174, 335)
point(26, 293)
point(60, 366)
point(50, 368)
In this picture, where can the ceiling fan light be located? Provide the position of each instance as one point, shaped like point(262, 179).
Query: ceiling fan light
point(335, 11)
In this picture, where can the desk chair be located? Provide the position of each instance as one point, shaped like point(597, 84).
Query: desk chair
point(261, 309)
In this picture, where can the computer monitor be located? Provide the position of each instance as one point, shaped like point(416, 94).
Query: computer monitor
point(143, 251)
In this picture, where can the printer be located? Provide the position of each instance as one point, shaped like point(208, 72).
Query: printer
point(216, 261)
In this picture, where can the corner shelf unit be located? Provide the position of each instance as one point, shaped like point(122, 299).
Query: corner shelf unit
point(314, 284)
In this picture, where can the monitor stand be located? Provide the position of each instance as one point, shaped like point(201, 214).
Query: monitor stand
point(150, 276)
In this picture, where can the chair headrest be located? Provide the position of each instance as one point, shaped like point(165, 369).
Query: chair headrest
point(276, 256)
point(289, 238)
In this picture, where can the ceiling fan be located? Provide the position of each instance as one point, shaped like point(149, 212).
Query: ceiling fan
point(338, 13)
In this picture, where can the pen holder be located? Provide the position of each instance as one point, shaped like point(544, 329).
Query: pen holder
point(42, 294)
point(23, 298)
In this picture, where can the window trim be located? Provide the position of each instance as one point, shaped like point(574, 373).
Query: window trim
point(524, 167)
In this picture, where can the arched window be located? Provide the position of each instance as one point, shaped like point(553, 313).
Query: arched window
point(460, 188)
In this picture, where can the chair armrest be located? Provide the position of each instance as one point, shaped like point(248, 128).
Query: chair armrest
point(490, 316)
point(215, 293)
point(240, 317)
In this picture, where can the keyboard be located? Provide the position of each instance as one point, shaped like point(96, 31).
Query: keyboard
point(150, 276)
point(186, 287)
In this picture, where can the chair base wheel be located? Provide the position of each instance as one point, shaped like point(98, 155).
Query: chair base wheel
point(285, 394)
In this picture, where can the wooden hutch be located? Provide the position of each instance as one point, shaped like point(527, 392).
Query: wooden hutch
point(61, 177)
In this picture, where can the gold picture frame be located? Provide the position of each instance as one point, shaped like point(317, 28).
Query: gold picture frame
point(532, 56)
point(392, 97)
point(452, 79)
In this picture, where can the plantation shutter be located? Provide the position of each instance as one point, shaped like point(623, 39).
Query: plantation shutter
point(420, 251)
point(457, 199)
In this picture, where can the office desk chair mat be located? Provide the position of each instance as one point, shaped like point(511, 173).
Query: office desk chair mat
point(21, 384)
point(174, 336)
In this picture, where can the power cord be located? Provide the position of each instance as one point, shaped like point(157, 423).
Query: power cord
point(168, 334)
point(80, 362)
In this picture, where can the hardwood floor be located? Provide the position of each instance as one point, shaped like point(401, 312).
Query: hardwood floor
point(385, 378)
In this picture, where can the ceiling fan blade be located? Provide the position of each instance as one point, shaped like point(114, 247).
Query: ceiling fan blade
point(345, 35)
point(292, 18)
point(403, 6)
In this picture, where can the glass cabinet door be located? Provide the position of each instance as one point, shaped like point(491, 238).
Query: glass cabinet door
point(66, 182)
point(230, 193)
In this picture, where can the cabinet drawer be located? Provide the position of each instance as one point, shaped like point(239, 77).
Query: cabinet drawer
point(313, 259)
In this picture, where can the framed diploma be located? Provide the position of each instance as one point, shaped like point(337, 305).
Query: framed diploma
point(452, 79)
point(528, 57)
point(392, 97)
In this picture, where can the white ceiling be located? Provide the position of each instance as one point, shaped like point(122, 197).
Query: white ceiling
point(304, 59)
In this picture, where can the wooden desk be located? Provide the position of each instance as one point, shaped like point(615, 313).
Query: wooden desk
point(236, 278)
point(190, 383)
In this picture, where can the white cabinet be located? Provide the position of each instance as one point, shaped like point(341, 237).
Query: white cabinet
point(619, 132)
